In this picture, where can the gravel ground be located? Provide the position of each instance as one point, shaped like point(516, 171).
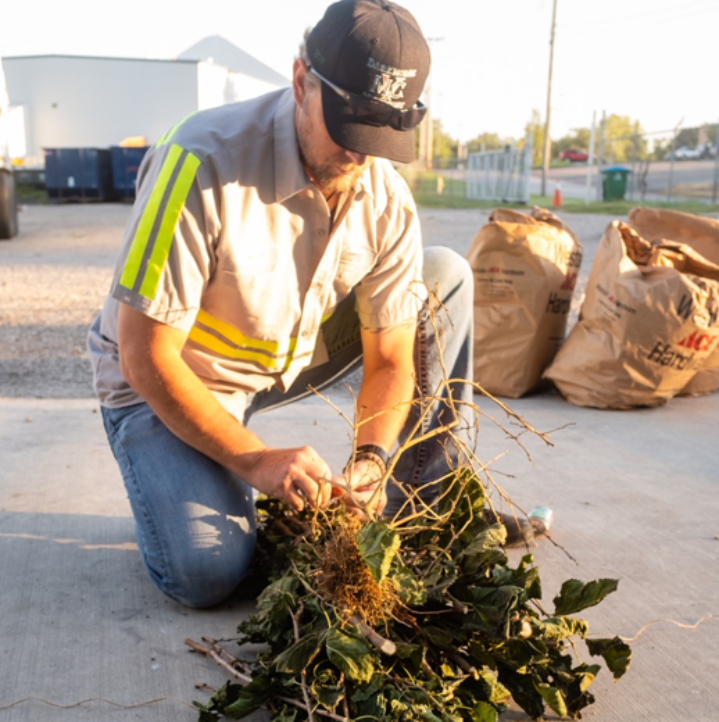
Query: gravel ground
point(55, 274)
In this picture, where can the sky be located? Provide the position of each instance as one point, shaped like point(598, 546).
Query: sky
point(652, 60)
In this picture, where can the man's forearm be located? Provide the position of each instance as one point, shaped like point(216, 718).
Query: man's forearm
point(191, 412)
point(383, 405)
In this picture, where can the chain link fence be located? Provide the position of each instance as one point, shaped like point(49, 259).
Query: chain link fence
point(676, 165)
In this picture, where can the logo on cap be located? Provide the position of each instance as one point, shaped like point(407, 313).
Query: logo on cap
point(389, 83)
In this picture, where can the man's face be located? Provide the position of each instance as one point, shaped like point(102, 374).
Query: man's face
point(331, 168)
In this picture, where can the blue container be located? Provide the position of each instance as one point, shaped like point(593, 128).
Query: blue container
point(78, 173)
point(125, 164)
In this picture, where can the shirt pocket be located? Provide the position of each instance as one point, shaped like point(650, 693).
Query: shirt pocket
point(355, 263)
point(251, 262)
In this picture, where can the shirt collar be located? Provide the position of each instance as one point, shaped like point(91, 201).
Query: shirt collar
point(290, 176)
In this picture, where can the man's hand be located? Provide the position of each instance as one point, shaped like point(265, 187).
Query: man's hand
point(362, 493)
point(298, 477)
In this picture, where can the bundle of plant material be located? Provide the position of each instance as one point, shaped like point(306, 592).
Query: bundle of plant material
point(418, 618)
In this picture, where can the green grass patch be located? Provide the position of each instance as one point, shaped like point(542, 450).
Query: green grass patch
point(30, 194)
point(432, 190)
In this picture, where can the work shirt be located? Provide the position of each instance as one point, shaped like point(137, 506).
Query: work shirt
point(230, 242)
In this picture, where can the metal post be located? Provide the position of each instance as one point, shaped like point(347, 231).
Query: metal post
point(590, 160)
point(547, 141)
point(633, 174)
point(600, 155)
point(671, 167)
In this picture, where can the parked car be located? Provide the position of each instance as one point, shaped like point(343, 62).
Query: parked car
point(686, 152)
point(574, 156)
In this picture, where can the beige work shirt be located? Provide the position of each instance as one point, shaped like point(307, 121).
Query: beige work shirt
point(230, 242)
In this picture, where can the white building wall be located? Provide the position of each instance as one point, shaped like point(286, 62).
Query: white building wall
point(97, 102)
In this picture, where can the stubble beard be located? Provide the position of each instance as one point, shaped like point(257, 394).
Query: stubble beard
point(337, 177)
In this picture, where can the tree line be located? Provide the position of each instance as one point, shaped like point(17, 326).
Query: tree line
point(624, 140)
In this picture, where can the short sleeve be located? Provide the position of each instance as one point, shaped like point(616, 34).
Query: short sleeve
point(394, 291)
point(166, 257)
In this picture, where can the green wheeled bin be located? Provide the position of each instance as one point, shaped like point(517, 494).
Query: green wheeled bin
point(614, 182)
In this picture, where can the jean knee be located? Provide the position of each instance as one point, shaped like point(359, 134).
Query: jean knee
point(207, 577)
point(449, 270)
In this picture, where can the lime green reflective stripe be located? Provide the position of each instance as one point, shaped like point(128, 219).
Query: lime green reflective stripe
point(139, 242)
point(163, 241)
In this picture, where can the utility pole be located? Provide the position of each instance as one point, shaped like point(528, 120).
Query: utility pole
point(547, 142)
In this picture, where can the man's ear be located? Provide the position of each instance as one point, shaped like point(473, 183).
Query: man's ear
point(299, 80)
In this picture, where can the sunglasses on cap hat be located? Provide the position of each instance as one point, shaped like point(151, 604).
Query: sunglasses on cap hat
point(375, 112)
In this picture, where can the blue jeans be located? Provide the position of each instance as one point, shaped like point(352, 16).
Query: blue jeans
point(195, 520)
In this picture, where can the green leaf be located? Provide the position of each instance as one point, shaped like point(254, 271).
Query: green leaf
point(576, 596)
point(463, 494)
point(553, 697)
point(296, 658)
point(278, 598)
point(482, 551)
point(378, 545)
point(438, 636)
point(616, 653)
point(351, 655)
point(288, 714)
point(483, 712)
point(250, 698)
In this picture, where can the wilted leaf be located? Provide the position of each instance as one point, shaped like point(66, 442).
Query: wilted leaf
point(558, 628)
point(553, 697)
point(438, 636)
point(576, 596)
point(287, 714)
point(616, 654)
point(377, 544)
point(463, 494)
point(351, 655)
point(251, 697)
point(411, 590)
point(278, 598)
point(497, 692)
point(483, 712)
point(297, 657)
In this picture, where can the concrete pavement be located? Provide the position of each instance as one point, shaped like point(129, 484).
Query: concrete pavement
point(635, 494)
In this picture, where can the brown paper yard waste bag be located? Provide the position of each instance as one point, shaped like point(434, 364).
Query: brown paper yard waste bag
point(645, 327)
point(525, 269)
point(702, 234)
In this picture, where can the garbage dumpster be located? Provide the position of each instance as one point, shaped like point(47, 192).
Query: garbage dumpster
point(614, 182)
point(125, 163)
point(78, 173)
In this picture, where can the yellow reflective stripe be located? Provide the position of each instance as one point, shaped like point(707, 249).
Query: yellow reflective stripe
point(165, 138)
point(271, 363)
point(239, 339)
point(139, 242)
point(163, 240)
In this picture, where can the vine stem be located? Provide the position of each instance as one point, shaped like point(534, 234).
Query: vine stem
point(245, 679)
point(303, 674)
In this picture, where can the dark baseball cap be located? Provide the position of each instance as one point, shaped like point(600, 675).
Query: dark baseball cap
point(373, 60)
